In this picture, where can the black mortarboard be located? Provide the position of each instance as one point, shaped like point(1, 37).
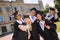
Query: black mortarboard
point(33, 9)
point(40, 12)
point(15, 13)
point(26, 16)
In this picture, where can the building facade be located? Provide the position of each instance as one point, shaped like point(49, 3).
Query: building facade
point(6, 11)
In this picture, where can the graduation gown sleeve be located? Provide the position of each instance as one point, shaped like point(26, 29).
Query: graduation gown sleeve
point(52, 31)
point(18, 33)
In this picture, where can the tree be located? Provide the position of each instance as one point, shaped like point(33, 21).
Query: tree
point(46, 9)
point(57, 5)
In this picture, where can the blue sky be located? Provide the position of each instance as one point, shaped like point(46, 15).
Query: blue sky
point(50, 2)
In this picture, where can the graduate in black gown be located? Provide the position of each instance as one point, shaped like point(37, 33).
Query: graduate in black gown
point(28, 26)
point(46, 28)
point(19, 31)
point(52, 16)
point(33, 18)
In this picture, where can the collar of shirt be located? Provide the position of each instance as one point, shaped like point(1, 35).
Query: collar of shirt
point(32, 19)
point(41, 23)
point(27, 26)
point(47, 16)
point(19, 21)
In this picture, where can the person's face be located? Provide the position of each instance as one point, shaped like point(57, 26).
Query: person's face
point(18, 16)
point(27, 20)
point(33, 12)
point(39, 17)
point(51, 12)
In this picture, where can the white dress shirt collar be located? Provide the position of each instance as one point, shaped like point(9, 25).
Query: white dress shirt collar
point(49, 18)
point(20, 21)
point(32, 19)
point(41, 23)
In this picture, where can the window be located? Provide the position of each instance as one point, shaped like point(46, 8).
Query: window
point(15, 9)
point(37, 7)
point(4, 30)
point(12, 26)
point(9, 18)
point(28, 9)
point(1, 19)
point(8, 9)
point(0, 9)
point(21, 8)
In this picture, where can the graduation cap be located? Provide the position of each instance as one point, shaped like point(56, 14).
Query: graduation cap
point(15, 13)
point(40, 12)
point(25, 16)
point(33, 9)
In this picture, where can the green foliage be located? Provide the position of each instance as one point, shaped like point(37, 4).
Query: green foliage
point(57, 5)
point(58, 1)
point(46, 10)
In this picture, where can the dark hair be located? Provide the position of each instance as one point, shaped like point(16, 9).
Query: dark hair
point(40, 13)
point(52, 9)
point(34, 10)
point(25, 16)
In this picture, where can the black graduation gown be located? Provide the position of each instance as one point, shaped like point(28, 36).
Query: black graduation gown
point(48, 34)
point(53, 20)
point(19, 34)
point(35, 34)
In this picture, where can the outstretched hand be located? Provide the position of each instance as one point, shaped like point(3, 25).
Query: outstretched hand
point(21, 27)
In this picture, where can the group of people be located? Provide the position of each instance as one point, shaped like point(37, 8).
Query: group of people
point(35, 25)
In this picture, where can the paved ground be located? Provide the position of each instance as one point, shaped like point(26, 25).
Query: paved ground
point(8, 37)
